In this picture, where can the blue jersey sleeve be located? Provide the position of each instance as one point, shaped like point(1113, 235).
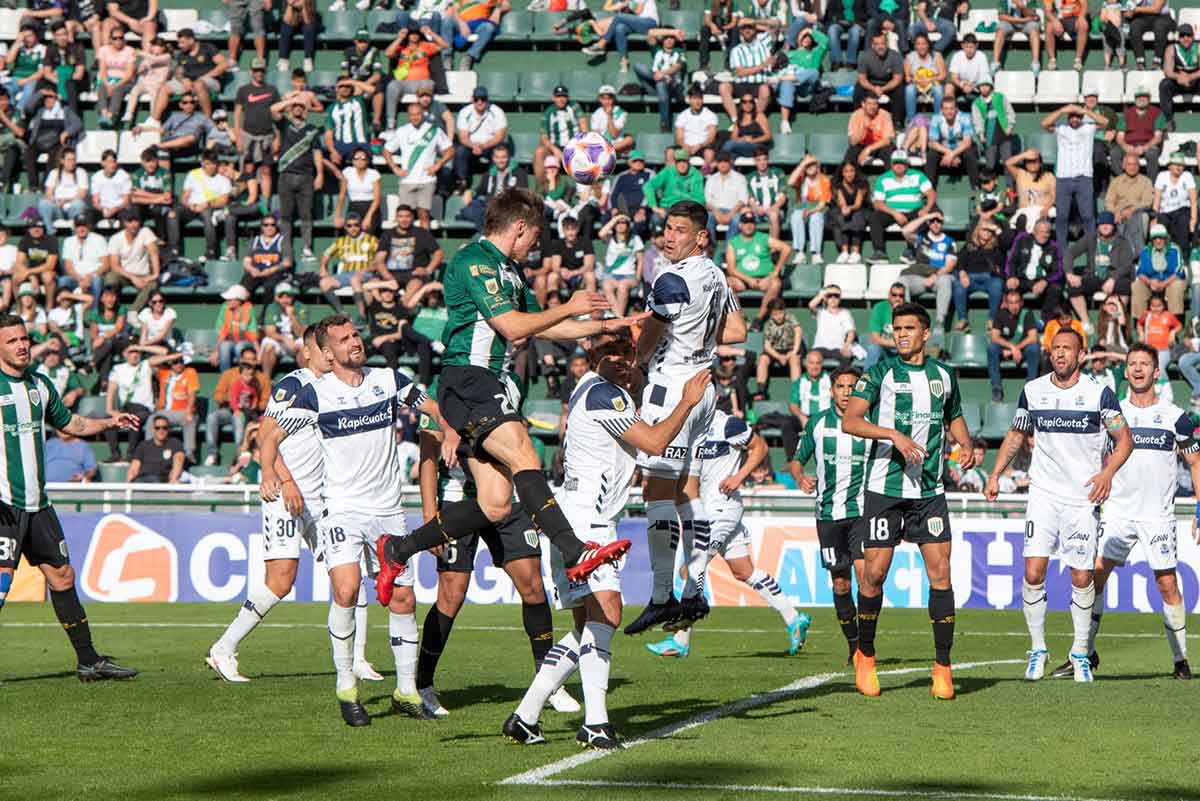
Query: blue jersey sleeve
point(1185, 434)
point(1110, 410)
point(283, 395)
point(737, 433)
point(668, 296)
point(1022, 421)
point(611, 407)
point(300, 412)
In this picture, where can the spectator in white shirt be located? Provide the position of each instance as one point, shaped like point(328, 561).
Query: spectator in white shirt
point(416, 153)
point(835, 336)
point(8, 260)
point(111, 190)
point(205, 192)
point(726, 191)
point(130, 389)
point(66, 191)
point(133, 259)
point(1073, 171)
point(609, 119)
point(84, 258)
point(361, 191)
point(696, 128)
point(967, 68)
point(480, 127)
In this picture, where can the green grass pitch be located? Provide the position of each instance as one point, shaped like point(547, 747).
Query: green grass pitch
point(176, 732)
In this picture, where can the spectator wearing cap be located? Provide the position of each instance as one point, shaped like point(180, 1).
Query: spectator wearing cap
point(505, 173)
point(803, 74)
point(111, 189)
point(410, 54)
point(881, 72)
point(814, 193)
point(354, 254)
point(184, 130)
point(365, 63)
point(1149, 16)
point(610, 119)
point(664, 75)
point(436, 111)
point(283, 329)
point(205, 192)
point(1035, 266)
point(66, 191)
point(253, 126)
point(726, 192)
point(1161, 270)
point(220, 138)
point(133, 259)
point(1175, 203)
point(361, 192)
point(178, 386)
point(130, 390)
point(967, 67)
point(349, 120)
point(625, 192)
point(199, 72)
point(900, 194)
point(1181, 70)
point(751, 62)
point(480, 127)
point(1130, 196)
point(754, 261)
point(561, 122)
point(300, 14)
point(236, 326)
point(934, 270)
point(751, 130)
point(416, 153)
point(952, 144)
point(836, 336)
point(116, 64)
point(224, 409)
point(1108, 269)
point(24, 64)
point(478, 18)
point(1074, 127)
point(1018, 16)
point(695, 128)
point(993, 120)
point(1140, 131)
point(870, 132)
point(1104, 163)
point(84, 258)
point(301, 168)
point(239, 12)
point(37, 259)
point(53, 129)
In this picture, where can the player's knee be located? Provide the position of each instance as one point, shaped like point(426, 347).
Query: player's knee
point(281, 575)
point(841, 585)
point(450, 600)
point(59, 578)
point(1167, 582)
point(741, 572)
point(404, 601)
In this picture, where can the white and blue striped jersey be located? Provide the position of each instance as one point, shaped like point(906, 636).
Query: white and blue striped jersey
point(721, 457)
point(692, 295)
point(598, 464)
point(301, 451)
point(1144, 487)
point(1070, 428)
point(356, 427)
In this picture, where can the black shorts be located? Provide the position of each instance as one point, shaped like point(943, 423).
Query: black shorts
point(512, 539)
point(887, 520)
point(841, 543)
point(474, 401)
point(740, 89)
point(38, 536)
point(1090, 285)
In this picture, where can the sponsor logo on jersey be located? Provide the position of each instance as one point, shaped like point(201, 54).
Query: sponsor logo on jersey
point(619, 404)
point(1156, 439)
point(127, 561)
point(352, 423)
point(675, 452)
point(7, 400)
point(492, 286)
point(1066, 421)
point(481, 269)
point(1162, 537)
point(1079, 536)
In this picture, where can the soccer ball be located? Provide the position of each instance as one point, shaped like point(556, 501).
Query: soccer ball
point(589, 157)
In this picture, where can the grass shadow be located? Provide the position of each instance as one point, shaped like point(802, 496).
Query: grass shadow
point(270, 782)
point(62, 674)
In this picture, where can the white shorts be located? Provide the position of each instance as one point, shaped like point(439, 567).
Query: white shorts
point(607, 578)
point(349, 538)
point(1118, 536)
point(729, 537)
point(283, 533)
point(274, 345)
point(679, 458)
point(1053, 527)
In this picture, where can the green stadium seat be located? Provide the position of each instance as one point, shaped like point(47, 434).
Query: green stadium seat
point(788, 150)
point(966, 350)
point(208, 471)
point(374, 20)
point(806, 280)
point(544, 417)
point(222, 275)
point(973, 418)
point(689, 21)
point(204, 341)
point(501, 86)
point(957, 211)
point(450, 220)
point(524, 146)
point(654, 145)
point(754, 341)
point(997, 419)
point(16, 205)
point(431, 322)
point(583, 85)
point(769, 407)
point(828, 148)
point(92, 406)
point(1044, 143)
point(538, 87)
point(218, 18)
point(114, 472)
point(516, 26)
point(340, 27)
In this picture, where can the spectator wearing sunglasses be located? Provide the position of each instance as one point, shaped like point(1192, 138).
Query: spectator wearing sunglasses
point(158, 460)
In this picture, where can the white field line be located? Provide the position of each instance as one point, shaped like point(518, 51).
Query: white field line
point(540, 775)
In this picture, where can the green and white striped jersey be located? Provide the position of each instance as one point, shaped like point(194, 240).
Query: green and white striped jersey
point(750, 54)
point(766, 187)
point(348, 120)
point(841, 465)
point(27, 405)
point(560, 124)
point(919, 401)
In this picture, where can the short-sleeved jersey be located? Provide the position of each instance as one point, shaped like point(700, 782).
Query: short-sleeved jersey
point(301, 451)
point(841, 465)
point(348, 119)
point(812, 395)
point(599, 464)
point(721, 456)
point(919, 401)
point(1070, 428)
point(27, 406)
point(482, 283)
point(353, 253)
point(1144, 487)
point(560, 124)
point(692, 295)
point(356, 427)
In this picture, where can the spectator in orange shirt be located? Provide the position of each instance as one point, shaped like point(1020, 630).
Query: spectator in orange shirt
point(813, 194)
point(1063, 319)
point(1069, 19)
point(871, 133)
point(1158, 329)
point(177, 387)
point(237, 326)
point(410, 54)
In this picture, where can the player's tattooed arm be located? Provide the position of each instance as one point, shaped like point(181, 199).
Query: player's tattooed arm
point(1013, 442)
point(87, 427)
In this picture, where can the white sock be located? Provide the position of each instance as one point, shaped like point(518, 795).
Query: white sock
point(1175, 621)
point(595, 657)
point(341, 636)
point(560, 662)
point(360, 626)
point(768, 589)
point(697, 535)
point(683, 637)
point(1094, 626)
point(662, 537)
point(403, 631)
point(1034, 596)
point(258, 602)
point(1082, 601)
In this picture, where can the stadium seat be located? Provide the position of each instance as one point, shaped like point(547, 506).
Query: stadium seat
point(806, 280)
point(788, 150)
point(977, 18)
point(957, 211)
point(828, 148)
point(584, 84)
point(113, 472)
point(1109, 84)
point(178, 18)
point(972, 417)
point(95, 406)
point(1018, 86)
point(1054, 88)
point(222, 275)
point(461, 84)
point(538, 87)
point(502, 86)
point(997, 419)
point(1139, 79)
point(217, 19)
point(204, 471)
point(130, 147)
point(852, 278)
point(341, 27)
point(655, 145)
point(1174, 142)
point(689, 21)
point(203, 341)
point(93, 144)
point(769, 407)
point(524, 146)
point(515, 26)
point(10, 23)
point(1189, 16)
point(966, 350)
point(1044, 143)
point(880, 279)
point(16, 205)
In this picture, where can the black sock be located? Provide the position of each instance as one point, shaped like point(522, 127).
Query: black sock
point(868, 618)
point(539, 625)
point(434, 634)
point(452, 521)
point(941, 615)
point(539, 503)
point(843, 606)
point(70, 613)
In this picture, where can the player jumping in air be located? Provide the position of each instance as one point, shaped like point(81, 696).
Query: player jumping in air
point(722, 471)
point(1141, 508)
point(491, 311)
point(1072, 418)
point(840, 484)
point(603, 434)
point(29, 526)
point(908, 404)
point(286, 522)
point(692, 311)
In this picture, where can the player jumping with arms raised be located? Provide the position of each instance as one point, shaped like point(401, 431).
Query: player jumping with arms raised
point(1072, 418)
point(908, 404)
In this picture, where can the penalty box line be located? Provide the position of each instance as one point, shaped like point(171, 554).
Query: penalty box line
point(544, 774)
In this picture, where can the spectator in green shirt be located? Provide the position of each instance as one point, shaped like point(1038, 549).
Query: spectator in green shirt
point(879, 336)
point(804, 72)
point(668, 187)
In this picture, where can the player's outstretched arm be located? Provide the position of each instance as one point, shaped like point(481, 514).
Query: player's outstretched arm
point(87, 426)
point(515, 325)
point(1013, 442)
point(654, 439)
point(856, 424)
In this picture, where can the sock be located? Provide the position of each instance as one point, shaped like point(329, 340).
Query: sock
point(595, 658)
point(434, 635)
point(662, 538)
point(341, 636)
point(843, 607)
point(1175, 622)
point(70, 613)
point(333, 300)
point(258, 602)
point(558, 665)
point(1094, 628)
point(403, 631)
point(768, 589)
point(452, 521)
point(539, 626)
point(868, 619)
point(5, 584)
point(697, 533)
point(941, 616)
point(1034, 596)
point(683, 637)
point(538, 501)
point(1082, 601)
point(360, 626)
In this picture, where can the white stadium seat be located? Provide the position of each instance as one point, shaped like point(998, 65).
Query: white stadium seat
point(852, 278)
point(975, 18)
point(881, 278)
point(1054, 88)
point(1136, 79)
point(130, 147)
point(1175, 141)
point(1190, 16)
point(10, 24)
point(93, 144)
point(1110, 84)
point(1017, 86)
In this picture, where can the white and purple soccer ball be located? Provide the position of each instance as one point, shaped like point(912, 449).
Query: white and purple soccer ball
point(589, 157)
